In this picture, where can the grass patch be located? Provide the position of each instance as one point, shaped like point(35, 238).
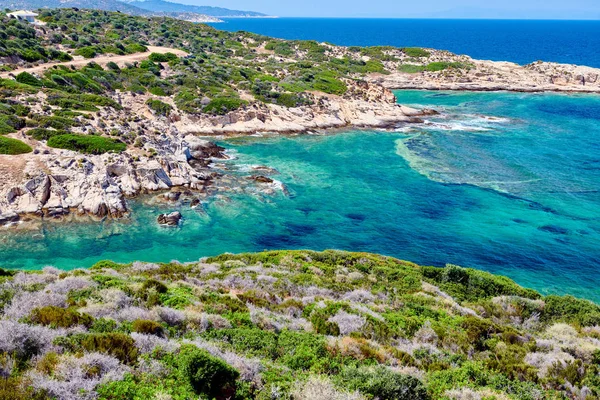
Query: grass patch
point(416, 52)
point(440, 66)
point(88, 144)
point(411, 68)
point(13, 146)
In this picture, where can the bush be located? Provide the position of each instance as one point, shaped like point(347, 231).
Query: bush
point(382, 383)
point(147, 327)
point(135, 48)
point(28, 79)
point(151, 291)
point(570, 309)
point(166, 57)
point(301, 350)
point(411, 68)
point(86, 52)
point(415, 52)
point(45, 134)
point(10, 124)
point(13, 146)
point(159, 107)
point(223, 105)
point(88, 144)
point(472, 285)
point(440, 66)
point(57, 317)
point(118, 345)
point(208, 375)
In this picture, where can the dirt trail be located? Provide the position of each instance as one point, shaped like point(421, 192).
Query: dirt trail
point(102, 60)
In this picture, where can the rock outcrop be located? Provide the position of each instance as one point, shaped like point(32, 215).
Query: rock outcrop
point(171, 219)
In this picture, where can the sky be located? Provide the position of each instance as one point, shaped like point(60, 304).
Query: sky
point(540, 9)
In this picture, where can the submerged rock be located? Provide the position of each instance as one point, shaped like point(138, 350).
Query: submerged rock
point(260, 179)
point(171, 219)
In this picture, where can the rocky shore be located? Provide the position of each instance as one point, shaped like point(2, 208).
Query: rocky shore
point(170, 155)
point(481, 75)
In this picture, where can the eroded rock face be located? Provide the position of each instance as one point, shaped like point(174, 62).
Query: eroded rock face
point(171, 219)
point(493, 75)
point(62, 182)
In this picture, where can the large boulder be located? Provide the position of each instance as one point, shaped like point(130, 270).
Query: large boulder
point(171, 219)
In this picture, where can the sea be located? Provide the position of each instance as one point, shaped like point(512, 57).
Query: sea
point(520, 41)
point(504, 182)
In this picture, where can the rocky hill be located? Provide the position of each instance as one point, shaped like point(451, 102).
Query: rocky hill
point(295, 325)
point(106, 5)
point(167, 6)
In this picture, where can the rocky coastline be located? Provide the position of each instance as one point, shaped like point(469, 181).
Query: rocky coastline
point(173, 156)
point(482, 75)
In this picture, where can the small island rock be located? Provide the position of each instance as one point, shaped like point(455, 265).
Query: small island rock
point(171, 219)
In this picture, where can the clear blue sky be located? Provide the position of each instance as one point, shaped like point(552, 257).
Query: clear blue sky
point(577, 9)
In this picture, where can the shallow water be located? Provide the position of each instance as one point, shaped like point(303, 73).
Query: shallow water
point(503, 182)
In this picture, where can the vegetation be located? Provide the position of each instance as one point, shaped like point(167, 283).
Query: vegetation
point(88, 144)
point(416, 52)
point(224, 72)
point(300, 324)
point(13, 146)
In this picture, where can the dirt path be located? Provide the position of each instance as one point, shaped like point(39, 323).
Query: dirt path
point(102, 60)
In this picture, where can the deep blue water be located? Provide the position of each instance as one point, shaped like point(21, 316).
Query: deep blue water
point(505, 182)
point(520, 41)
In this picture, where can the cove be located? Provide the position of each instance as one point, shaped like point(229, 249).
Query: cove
point(504, 182)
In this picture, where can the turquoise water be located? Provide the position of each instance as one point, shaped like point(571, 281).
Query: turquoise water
point(503, 182)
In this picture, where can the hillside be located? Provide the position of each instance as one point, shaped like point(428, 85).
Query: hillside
point(291, 325)
point(167, 6)
point(150, 7)
point(106, 5)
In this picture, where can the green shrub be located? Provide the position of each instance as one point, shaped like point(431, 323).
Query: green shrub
point(31, 55)
point(159, 107)
point(382, 383)
point(411, 68)
point(252, 341)
point(87, 52)
point(208, 375)
point(103, 325)
point(440, 66)
point(327, 83)
point(223, 105)
point(28, 79)
point(113, 66)
point(45, 134)
point(10, 124)
point(13, 146)
point(58, 317)
point(88, 144)
point(301, 350)
point(160, 58)
point(415, 52)
point(135, 48)
point(178, 297)
point(472, 285)
point(147, 327)
point(570, 309)
point(118, 345)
